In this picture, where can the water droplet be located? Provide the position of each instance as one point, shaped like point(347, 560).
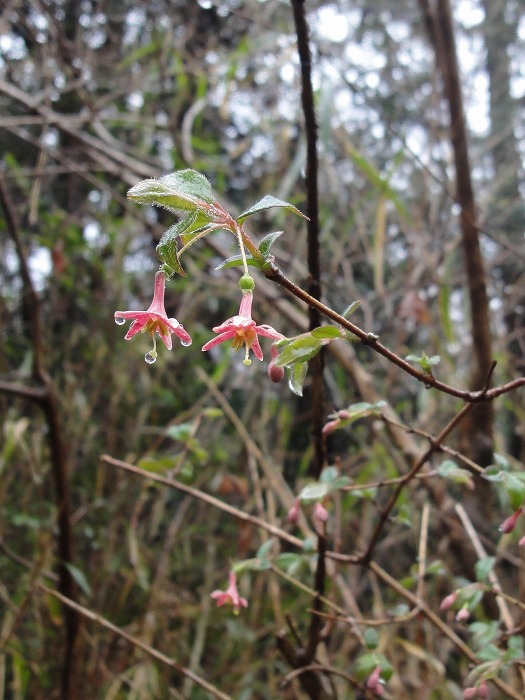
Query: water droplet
point(120, 321)
point(150, 357)
point(185, 343)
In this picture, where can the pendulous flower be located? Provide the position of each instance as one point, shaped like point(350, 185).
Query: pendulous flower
point(154, 320)
point(230, 596)
point(242, 330)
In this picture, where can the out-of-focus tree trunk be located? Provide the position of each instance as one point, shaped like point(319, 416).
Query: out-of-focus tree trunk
point(476, 432)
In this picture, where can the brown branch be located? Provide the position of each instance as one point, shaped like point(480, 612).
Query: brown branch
point(273, 273)
point(139, 644)
point(367, 556)
point(312, 209)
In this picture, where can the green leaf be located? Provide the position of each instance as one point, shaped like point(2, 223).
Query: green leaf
point(371, 638)
point(167, 247)
point(289, 561)
point(184, 190)
point(350, 309)
point(514, 649)
point(314, 492)
point(237, 261)
point(483, 633)
point(448, 469)
point(265, 549)
point(269, 202)
point(361, 409)
point(426, 363)
point(267, 242)
point(328, 475)
point(324, 332)
point(310, 544)
point(493, 473)
point(296, 377)
point(516, 490)
point(484, 567)
point(79, 578)
point(300, 349)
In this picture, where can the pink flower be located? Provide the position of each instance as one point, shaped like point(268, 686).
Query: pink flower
point(448, 601)
point(154, 320)
point(230, 596)
point(509, 524)
point(471, 692)
point(242, 330)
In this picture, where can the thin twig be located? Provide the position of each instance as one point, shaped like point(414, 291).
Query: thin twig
point(159, 656)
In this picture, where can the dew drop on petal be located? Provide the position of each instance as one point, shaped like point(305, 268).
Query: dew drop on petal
point(185, 343)
point(150, 357)
point(120, 321)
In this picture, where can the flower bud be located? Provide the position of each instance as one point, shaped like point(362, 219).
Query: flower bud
point(462, 615)
point(320, 512)
point(329, 427)
point(509, 524)
point(448, 601)
point(293, 513)
point(275, 373)
point(483, 690)
point(471, 692)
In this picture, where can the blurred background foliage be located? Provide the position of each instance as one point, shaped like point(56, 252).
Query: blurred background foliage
point(94, 97)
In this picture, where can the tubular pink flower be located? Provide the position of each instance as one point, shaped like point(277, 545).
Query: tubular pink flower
point(154, 320)
point(230, 596)
point(242, 330)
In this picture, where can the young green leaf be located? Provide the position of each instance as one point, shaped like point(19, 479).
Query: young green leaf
point(184, 190)
point(299, 350)
point(267, 242)
point(237, 261)
point(269, 202)
point(484, 567)
point(326, 332)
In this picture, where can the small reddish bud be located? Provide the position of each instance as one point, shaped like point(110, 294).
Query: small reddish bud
point(275, 373)
point(320, 512)
point(293, 513)
point(374, 678)
point(462, 615)
point(483, 690)
point(509, 524)
point(329, 427)
point(470, 693)
point(448, 601)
